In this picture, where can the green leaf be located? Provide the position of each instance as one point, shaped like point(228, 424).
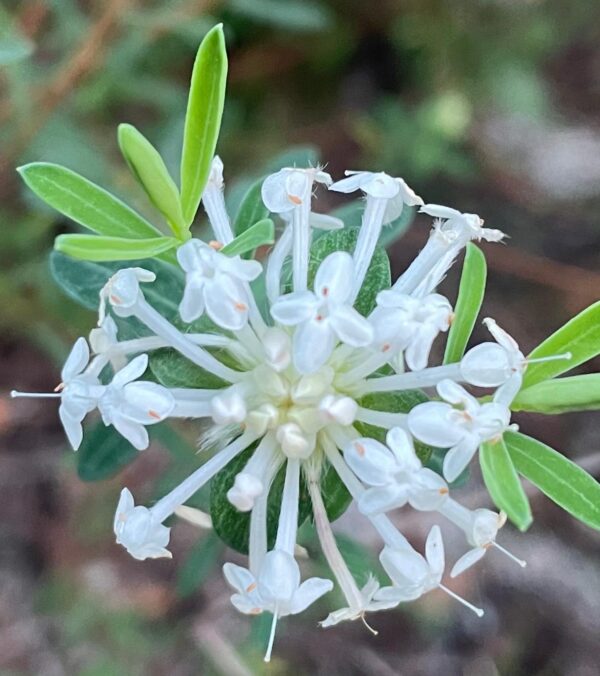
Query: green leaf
point(97, 248)
point(251, 210)
point(198, 565)
point(503, 483)
point(203, 119)
point(378, 275)
point(85, 202)
point(576, 393)
point(259, 234)
point(233, 527)
point(172, 369)
point(468, 303)
point(103, 453)
point(393, 402)
point(559, 478)
point(149, 168)
point(580, 336)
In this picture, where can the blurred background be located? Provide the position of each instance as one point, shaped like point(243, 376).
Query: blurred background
point(490, 106)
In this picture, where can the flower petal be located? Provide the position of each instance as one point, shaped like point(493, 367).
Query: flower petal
point(431, 423)
point(294, 308)
point(428, 491)
point(467, 560)
point(486, 365)
point(241, 579)
point(147, 403)
point(135, 433)
point(76, 361)
point(129, 373)
point(351, 183)
point(371, 461)
point(438, 211)
point(333, 280)
point(434, 551)
point(308, 592)
point(351, 327)
point(459, 457)
point(382, 499)
point(400, 444)
point(72, 427)
point(417, 353)
point(192, 302)
point(455, 394)
point(313, 344)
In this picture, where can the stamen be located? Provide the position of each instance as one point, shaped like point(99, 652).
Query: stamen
point(216, 245)
point(510, 556)
point(368, 626)
point(478, 611)
point(34, 395)
point(60, 387)
point(294, 199)
point(251, 587)
point(241, 307)
point(271, 638)
point(154, 414)
point(360, 449)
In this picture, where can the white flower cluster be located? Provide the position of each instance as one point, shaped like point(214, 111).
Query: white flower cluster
point(296, 391)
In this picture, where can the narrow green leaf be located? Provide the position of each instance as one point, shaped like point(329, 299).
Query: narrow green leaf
point(556, 476)
point(576, 393)
point(580, 336)
point(203, 119)
point(378, 275)
point(503, 483)
point(149, 168)
point(103, 453)
point(259, 234)
point(85, 202)
point(97, 248)
point(172, 369)
point(251, 210)
point(468, 303)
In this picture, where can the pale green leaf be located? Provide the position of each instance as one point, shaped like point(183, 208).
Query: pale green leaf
point(251, 210)
point(559, 478)
point(503, 483)
point(85, 202)
point(580, 336)
point(98, 248)
point(468, 304)
point(149, 168)
point(203, 119)
point(575, 393)
point(259, 234)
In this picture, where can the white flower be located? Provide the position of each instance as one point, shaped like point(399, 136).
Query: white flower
point(414, 575)
point(324, 315)
point(290, 188)
point(103, 341)
point(461, 429)
point(275, 589)
point(130, 406)
point(492, 364)
point(481, 527)
point(395, 474)
point(79, 392)
point(216, 283)
point(380, 185)
point(138, 530)
point(458, 227)
point(367, 605)
point(123, 291)
point(228, 407)
point(402, 322)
